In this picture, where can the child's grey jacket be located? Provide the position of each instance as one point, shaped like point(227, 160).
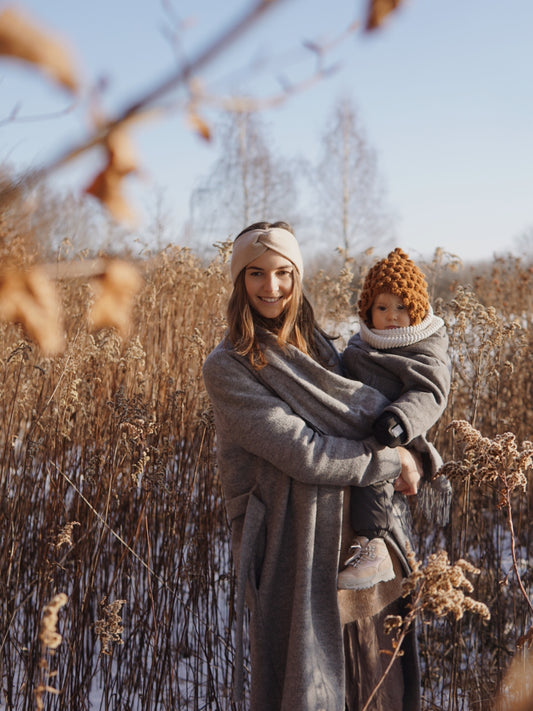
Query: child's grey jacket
point(290, 438)
point(416, 377)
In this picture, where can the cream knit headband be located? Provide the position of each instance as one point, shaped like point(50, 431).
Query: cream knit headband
point(253, 244)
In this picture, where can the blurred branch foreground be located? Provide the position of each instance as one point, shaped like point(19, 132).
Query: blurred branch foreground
point(29, 296)
point(21, 39)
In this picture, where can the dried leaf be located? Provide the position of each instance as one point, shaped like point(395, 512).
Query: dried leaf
point(107, 186)
point(378, 11)
point(115, 291)
point(121, 152)
point(22, 39)
point(30, 298)
point(199, 125)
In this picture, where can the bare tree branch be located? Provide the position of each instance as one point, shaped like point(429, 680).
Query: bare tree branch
point(142, 104)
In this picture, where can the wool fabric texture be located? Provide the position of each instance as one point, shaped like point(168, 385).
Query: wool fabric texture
point(399, 275)
point(284, 499)
point(251, 245)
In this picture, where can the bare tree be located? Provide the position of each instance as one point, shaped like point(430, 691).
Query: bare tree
point(52, 224)
point(350, 196)
point(247, 182)
point(524, 242)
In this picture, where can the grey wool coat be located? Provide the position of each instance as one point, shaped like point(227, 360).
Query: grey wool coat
point(290, 437)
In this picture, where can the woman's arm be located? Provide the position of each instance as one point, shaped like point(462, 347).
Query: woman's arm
point(250, 417)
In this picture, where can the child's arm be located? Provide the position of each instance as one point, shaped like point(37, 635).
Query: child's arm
point(389, 430)
point(424, 370)
point(416, 378)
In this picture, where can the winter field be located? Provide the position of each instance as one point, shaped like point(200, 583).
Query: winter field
point(115, 568)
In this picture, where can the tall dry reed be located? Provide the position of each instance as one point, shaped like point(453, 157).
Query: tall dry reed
point(109, 495)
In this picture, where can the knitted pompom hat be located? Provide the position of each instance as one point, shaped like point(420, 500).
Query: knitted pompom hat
point(395, 274)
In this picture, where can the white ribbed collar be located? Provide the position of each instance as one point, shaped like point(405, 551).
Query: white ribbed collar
point(398, 337)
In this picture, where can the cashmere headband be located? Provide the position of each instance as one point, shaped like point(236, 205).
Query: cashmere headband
point(251, 245)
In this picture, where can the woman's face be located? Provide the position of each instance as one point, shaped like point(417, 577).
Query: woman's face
point(388, 311)
point(269, 282)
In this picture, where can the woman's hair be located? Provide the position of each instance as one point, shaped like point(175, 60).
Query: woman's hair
point(295, 326)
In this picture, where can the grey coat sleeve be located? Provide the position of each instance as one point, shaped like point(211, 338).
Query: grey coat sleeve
point(425, 376)
point(421, 370)
point(253, 419)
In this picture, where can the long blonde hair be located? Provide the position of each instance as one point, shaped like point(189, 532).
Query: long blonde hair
point(296, 325)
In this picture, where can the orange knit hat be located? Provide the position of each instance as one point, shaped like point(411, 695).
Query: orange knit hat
point(396, 274)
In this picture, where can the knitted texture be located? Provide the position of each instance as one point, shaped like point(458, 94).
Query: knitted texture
point(400, 337)
point(395, 274)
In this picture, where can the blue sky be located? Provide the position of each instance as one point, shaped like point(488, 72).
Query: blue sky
point(444, 91)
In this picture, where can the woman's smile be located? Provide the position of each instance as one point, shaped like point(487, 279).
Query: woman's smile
point(269, 282)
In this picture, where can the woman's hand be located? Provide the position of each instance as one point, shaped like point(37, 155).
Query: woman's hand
point(411, 473)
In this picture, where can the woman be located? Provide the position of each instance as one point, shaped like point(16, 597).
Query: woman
point(292, 434)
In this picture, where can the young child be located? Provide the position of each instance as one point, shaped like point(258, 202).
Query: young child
point(401, 350)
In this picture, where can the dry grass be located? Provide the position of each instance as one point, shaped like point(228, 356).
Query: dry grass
point(109, 494)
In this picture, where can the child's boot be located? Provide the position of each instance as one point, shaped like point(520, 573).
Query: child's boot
point(369, 564)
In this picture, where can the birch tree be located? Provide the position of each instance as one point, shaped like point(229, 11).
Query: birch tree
point(350, 198)
point(247, 182)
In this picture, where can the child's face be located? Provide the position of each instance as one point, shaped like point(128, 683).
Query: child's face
point(388, 311)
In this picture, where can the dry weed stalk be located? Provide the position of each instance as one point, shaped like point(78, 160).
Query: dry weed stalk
point(48, 634)
point(78, 432)
point(500, 464)
point(438, 588)
point(50, 640)
point(109, 628)
point(332, 293)
point(64, 537)
point(507, 283)
point(485, 346)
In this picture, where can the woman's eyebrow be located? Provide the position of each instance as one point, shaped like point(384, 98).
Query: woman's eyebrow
point(275, 269)
point(284, 266)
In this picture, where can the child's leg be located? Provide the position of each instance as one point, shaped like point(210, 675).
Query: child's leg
point(371, 509)
point(370, 514)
